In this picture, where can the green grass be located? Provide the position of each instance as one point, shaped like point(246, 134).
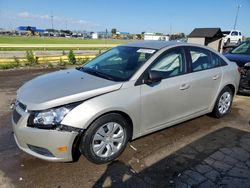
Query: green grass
point(51, 48)
point(46, 40)
point(8, 66)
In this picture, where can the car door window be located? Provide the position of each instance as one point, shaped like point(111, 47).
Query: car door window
point(171, 63)
point(201, 59)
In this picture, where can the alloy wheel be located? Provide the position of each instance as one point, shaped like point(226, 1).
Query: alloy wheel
point(224, 102)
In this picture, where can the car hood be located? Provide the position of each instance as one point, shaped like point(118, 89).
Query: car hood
point(238, 58)
point(63, 87)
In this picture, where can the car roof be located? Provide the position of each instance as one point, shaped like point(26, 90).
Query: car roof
point(152, 44)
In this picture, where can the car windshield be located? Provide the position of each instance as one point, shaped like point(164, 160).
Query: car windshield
point(119, 63)
point(244, 49)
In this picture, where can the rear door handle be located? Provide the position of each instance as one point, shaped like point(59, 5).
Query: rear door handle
point(215, 77)
point(184, 86)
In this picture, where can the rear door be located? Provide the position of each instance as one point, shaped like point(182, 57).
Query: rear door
point(205, 80)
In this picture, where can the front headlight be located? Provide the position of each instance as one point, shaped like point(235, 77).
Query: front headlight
point(50, 118)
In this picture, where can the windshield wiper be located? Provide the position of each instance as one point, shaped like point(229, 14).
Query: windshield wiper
point(95, 73)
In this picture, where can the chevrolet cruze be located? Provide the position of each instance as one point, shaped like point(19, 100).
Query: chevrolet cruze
point(127, 92)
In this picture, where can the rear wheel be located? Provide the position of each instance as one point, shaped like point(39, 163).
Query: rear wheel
point(239, 41)
point(105, 139)
point(223, 103)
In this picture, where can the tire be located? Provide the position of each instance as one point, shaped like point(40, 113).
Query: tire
point(228, 42)
point(105, 139)
point(239, 41)
point(223, 103)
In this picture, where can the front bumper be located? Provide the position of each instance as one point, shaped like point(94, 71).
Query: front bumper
point(41, 143)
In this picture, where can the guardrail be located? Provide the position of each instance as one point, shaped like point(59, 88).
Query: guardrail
point(46, 59)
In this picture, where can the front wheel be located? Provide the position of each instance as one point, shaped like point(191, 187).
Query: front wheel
point(223, 103)
point(105, 139)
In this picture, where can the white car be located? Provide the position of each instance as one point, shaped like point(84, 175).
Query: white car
point(233, 36)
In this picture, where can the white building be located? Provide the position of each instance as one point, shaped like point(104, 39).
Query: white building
point(94, 36)
point(153, 36)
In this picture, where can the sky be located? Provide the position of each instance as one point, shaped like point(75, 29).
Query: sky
point(134, 16)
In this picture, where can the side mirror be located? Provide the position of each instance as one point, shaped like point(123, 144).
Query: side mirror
point(154, 76)
point(247, 66)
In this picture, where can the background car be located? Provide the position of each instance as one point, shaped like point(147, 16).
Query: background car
point(232, 37)
point(241, 55)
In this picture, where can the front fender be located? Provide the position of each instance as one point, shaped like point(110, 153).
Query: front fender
point(124, 100)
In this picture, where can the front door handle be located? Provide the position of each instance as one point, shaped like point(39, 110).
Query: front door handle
point(184, 86)
point(215, 77)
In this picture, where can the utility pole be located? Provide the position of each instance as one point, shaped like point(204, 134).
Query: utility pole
point(52, 24)
point(236, 17)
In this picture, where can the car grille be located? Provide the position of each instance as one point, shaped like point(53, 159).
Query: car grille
point(16, 116)
point(21, 105)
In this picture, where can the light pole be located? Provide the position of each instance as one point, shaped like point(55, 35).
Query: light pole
point(236, 17)
point(52, 25)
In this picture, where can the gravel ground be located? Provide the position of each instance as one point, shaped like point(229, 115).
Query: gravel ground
point(203, 152)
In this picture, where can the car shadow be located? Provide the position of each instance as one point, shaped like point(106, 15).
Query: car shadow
point(219, 159)
point(246, 94)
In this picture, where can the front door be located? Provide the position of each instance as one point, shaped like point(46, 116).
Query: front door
point(167, 100)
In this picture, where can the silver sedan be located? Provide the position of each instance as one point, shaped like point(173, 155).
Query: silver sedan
point(127, 92)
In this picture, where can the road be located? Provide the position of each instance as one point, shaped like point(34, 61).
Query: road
point(203, 152)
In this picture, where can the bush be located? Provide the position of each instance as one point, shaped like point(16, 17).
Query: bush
point(50, 65)
point(71, 57)
point(31, 58)
point(17, 61)
point(61, 62)
point(84, 61)
point(8, 66)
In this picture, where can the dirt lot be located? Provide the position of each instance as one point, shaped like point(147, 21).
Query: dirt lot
point(203, 152)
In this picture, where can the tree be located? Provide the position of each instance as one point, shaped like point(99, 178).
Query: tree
point(113, 31)
point(139, 36)
point(71, 57)
point(31, 59)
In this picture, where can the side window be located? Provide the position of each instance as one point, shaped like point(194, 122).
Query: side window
point(172, 63)
point(217, 60)
point(240, 33)
point(201, 59)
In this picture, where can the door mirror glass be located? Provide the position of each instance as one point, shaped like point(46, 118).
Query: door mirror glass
point(247, 66)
